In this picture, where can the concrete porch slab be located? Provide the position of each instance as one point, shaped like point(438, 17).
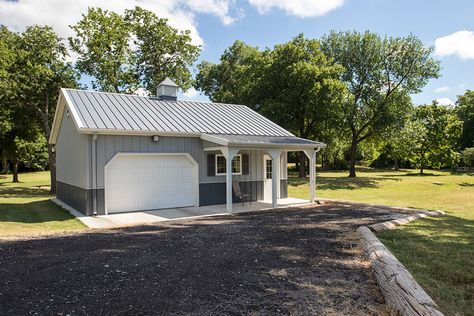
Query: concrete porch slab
point(148, 217)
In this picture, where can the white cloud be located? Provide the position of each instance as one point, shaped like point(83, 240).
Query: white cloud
point(445, 101)
point(459, 43)
point(60, 14)
point(300, 8)
point(442, 89)
point(191, 94)
point(219, 8)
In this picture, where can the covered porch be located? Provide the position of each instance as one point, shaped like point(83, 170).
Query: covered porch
point(275, 148)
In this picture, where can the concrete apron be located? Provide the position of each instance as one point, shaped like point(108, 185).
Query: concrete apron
point(153, 216)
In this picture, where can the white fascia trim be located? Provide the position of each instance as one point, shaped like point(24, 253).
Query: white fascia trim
point(72, 109)
point(58, 115)
point(283, 146)
point(64, 103)
point(215, 139)
point(136, 132)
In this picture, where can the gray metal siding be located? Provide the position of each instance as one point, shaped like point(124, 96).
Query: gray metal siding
point(112, 111)
point(72, 154)
point(214, 193)
point(109, 145)
point(74, 196)
point(255, 168)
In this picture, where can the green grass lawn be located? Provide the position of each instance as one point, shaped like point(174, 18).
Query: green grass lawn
point(25, 207)
point(439, 252)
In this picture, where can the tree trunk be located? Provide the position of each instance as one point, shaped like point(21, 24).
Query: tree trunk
point(44, 116)
point(15, 171)
point(352, 170)
point(5, 166)
point(302, 165)
point(422, 164)
point(395, 163)
point(52, 168)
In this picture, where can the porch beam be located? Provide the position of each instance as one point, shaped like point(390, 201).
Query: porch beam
point(275, 154)
point(229, 153)
point(311, 154)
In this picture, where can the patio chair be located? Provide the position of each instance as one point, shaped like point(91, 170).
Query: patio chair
point(238, 193)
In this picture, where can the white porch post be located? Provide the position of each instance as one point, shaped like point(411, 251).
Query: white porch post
point(229, 154)
point(275, 154)
point(311, 153)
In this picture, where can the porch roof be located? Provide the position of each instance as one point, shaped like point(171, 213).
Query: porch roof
point(262, 141)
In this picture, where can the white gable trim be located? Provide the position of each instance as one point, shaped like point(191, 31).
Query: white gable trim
point(64, 103)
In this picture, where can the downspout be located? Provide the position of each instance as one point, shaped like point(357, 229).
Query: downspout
point(94, 174)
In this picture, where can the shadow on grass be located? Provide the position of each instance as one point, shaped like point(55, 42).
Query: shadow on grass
point(339, 183)
point(465, 184)
point(33, 212)
point(23, 192)
point(416, 174)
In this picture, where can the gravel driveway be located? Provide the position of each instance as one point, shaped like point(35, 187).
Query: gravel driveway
point(295, 261)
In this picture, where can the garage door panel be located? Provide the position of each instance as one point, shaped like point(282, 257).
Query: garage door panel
point(144, 182)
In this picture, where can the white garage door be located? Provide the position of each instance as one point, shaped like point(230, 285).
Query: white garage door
point(147, 182)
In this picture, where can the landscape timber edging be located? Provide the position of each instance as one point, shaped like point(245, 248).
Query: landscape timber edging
point(403, 294)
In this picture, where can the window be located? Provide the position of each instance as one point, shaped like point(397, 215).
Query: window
point(268, 170)
point(236, 165)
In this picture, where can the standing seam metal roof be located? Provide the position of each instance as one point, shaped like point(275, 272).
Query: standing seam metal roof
point(111, 111)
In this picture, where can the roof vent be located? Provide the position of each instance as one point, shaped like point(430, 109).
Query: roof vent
point(167, 90)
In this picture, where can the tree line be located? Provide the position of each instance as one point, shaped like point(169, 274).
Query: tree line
point(350, 90)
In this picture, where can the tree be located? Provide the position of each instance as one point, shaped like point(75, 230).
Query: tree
point(12, 124)
point(380, 73)
point(33, 154)
point(293, 84)
point(162, 51)
point(300, 90)
point(467, 157)
point(135, 50)
point(234, 79)
point(400, 142)
point(465, 111)
point(436, 131)
point(38, 72)
point(102, 42)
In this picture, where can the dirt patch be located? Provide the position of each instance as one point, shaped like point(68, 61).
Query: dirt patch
point(292, 261)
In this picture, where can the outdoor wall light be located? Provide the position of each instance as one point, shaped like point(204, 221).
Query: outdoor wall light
point(156, 138)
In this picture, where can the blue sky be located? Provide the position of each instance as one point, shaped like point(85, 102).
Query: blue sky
point(216, 24)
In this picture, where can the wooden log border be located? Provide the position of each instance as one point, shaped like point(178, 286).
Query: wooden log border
point(404, 296)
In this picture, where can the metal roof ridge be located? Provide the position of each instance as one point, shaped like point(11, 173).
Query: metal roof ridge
point(154, 98)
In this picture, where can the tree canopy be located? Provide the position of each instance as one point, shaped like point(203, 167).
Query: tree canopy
point(134, 50)
point(436, 131)
point(465, 111)
point(379, 74)
point(37, 72)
